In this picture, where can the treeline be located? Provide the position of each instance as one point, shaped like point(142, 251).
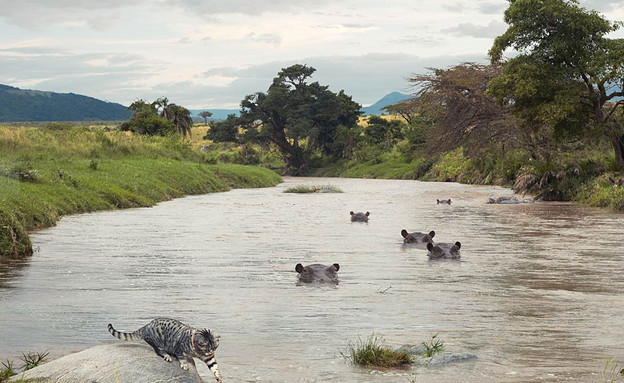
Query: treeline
point(547, 120)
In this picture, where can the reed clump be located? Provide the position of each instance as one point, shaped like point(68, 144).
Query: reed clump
point(303, 189)
point(373, 352)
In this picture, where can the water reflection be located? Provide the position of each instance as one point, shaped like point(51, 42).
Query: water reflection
point(536, 295)
point(10, 269)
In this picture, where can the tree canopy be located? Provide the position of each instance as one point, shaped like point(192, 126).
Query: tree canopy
point(158, 118)
point(565, 72)
point(295, 115)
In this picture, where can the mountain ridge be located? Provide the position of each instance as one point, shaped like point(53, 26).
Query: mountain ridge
point(27, 105)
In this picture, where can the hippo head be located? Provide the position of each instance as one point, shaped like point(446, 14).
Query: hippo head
point(359, 216)
point(417, 237)
point(444, 250)
point(317, 273)
point(444, 201)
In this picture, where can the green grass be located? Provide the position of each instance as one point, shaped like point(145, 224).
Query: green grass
point(373, 352)
point(433, 346)
point(30, 360)
point(303, 189)
point(49, 173)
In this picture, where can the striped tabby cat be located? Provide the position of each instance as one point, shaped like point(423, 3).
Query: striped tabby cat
point(171, 338)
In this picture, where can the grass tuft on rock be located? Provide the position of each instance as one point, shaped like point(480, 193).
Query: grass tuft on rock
point(373, 352)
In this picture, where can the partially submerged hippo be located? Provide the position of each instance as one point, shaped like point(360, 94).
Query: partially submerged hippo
point(317, 273)
point(444, 250)
point(359, 216)
point(417, 237)
point(444, 201)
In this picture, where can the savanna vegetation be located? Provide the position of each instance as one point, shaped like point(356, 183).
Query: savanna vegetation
point(547, 121)
point(51, 171)
point(545, 115)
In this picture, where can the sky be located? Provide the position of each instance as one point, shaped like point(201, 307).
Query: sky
point(209, 54)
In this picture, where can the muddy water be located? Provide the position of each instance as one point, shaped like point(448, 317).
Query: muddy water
point(537, 295)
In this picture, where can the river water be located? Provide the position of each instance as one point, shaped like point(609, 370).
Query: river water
point(537, 295)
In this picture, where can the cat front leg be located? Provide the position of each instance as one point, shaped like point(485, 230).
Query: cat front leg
point(211, 362)
point(184, 364)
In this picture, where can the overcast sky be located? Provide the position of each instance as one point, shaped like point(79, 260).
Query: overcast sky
point(205, 54)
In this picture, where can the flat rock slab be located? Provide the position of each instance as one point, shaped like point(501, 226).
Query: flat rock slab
point(112, 363)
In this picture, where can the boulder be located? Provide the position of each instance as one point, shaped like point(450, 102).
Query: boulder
point(118, 362)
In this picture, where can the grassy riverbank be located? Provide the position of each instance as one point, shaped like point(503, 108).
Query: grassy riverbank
point(587, 178)
point(57, 170)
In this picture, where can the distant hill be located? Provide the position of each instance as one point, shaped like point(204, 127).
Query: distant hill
point(19, 105)
point(389, 99)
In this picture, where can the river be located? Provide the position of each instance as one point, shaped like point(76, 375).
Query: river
point(537, 295)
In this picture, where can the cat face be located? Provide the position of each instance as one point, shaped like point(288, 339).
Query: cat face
point(205, 342)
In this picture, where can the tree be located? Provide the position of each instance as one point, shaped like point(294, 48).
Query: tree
point(295, 115)
point(224, 131)
point(567, 75)
point(205, 114)
point(146, 119)
point(383, 131)
point(459, 111)
point(179, 115)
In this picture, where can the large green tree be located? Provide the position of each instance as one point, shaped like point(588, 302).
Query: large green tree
point(565, 73)
point(297, 116)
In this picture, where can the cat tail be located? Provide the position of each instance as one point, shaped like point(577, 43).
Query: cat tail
point(127, 336)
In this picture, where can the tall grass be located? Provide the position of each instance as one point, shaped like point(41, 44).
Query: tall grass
point(304, 189)
point(373, 352)
point(48, 173)
point(30, 360)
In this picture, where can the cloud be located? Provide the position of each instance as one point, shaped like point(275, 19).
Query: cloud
point(268, 38)
point(102, 14)
point(491, 30)
point(368, 77)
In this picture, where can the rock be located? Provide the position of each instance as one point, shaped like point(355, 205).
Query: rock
point(439, 359)
point(116, 362)
point(444, 358)
point(509, 200)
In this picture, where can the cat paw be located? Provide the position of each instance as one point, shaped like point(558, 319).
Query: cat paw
point(168, 358)
point(184, 365)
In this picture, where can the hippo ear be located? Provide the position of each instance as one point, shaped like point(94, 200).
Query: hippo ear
point(449, 202)
point(458, 244)
point(299, 267)
point(432, 233)
point(429, 246)
point(438, 200)
point(336, 266)
point(404, 233)
point(367, 213)
point(351, 213)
